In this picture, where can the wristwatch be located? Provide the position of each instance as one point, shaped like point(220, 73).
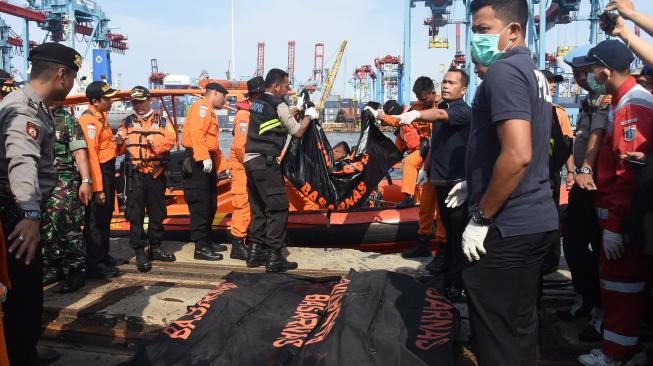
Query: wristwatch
point(87, 180)
point(478, 216)
point(584, 170)
point(33, 215)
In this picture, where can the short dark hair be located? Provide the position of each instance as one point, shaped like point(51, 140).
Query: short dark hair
point(423, 84)
point(45, 69)
point(509, 11)
point(464, 78)
point(343, 145)
point(274, 76)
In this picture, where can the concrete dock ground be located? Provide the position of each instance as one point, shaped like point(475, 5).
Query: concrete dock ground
point(104, 322)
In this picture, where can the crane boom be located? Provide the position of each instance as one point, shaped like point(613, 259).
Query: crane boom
point(332, 77)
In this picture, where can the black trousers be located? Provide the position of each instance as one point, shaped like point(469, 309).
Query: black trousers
point(97, 219)
point(581, 241)
point(454, 220)
point(23, 308)
point(148, 193)
point(201, 195)
point(502, 289)
point(268, 202)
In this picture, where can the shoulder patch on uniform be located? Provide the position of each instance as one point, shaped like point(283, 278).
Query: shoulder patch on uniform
point(630, 132)
point(203, 112)
point(91, 131)
point(32, 129)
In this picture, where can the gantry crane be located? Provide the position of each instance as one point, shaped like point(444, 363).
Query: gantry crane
point(364, 83)
point(326, 91)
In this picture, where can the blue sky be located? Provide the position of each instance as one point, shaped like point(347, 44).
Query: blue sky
point(189, 36)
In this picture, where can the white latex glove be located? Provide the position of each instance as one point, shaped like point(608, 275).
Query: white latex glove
point(457, 196)
point(422, 177)
point(473, 239)
point(374, 112)
point(300, 102)
point(409, 117)
point(312, 113)
point(613, 245)
point(208, 165)
point(118, 139)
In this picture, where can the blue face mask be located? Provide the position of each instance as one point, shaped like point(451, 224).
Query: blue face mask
point(485, 47)
point(596, 87)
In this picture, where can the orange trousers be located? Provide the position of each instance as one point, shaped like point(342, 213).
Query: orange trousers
point(241, 217)
point(428, 211)
point(412, 165)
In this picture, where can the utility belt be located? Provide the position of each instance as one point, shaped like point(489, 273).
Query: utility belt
point(189, 161)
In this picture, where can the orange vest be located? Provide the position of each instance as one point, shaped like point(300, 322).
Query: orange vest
point(99, 139)
point(147, 142)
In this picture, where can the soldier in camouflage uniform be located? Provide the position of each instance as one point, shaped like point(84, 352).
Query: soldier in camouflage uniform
point(64, 249)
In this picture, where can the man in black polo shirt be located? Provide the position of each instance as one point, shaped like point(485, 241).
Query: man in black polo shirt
point(445, 168)
point(514, 220)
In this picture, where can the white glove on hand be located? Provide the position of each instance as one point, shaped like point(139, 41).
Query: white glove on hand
point(300, 102)
point(422, 177)
point(613, 245)
point(473, 239)
point(409, 117)
point(374, 112)
point(208, 165)
point(457, 196)
point(312, 113)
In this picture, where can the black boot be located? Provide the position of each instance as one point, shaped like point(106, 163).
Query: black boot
point(409, 201)
point(238, 248)
point(114, 262)
point(74, 279)
point(257, 256)
point(158, 254)
point(217, 247)
point(277, 263)
point(101, 270)
point(423, 248)
point(52, 275)
point(204, 252)
point(437, 265)
point(143, 263)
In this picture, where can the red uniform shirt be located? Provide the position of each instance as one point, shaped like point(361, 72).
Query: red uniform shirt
point(630, 129)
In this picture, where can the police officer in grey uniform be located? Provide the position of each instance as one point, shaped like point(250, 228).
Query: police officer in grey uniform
point(27, 177)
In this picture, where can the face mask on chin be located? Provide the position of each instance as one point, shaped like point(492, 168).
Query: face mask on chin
point(485, 47)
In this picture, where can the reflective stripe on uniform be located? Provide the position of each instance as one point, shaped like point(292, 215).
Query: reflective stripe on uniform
point(268, 125)
point(619, 339)
point(623, 287)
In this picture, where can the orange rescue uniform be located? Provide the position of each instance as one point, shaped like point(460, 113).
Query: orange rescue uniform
point(101, 145)
point(201, 134)
point(408, 140)
point(241, 217)
point(146, 141)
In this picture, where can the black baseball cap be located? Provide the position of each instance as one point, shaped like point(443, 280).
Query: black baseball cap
point(552, 77)
point(56, 53)
point(611, 54)
point(217, 87)
point(99, 89)
point(140, 93)
point(255, 85)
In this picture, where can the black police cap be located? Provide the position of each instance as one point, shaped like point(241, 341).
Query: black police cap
point(256, 85)
point(612, 54)
point(56, 53)
point(99, 89)
point(217, 87)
